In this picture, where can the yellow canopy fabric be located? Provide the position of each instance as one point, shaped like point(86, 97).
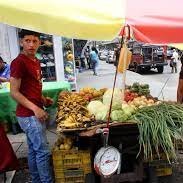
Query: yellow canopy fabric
point(83, 19)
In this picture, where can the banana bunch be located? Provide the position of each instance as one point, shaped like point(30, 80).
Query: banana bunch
point(72, 112)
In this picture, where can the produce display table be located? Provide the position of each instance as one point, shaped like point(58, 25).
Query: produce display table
point(8, 105)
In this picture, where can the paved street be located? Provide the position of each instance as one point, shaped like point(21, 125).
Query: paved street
point(105, 79)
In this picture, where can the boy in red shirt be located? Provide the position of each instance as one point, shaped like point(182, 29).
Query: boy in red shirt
point(26, 89)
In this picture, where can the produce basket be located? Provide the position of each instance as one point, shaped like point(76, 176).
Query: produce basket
point(71, 165)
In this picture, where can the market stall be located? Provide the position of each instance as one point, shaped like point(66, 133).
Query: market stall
point(89, 20)
point(142, 130)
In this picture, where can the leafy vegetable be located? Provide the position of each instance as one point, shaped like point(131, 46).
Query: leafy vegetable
point(116, 104)
point(128, 109)
point(94, 106)
point(158, 126)
point(118, 115)
point(141, 89)
point(102, 113)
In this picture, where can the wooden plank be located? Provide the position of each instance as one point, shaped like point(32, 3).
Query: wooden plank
point(90, 131)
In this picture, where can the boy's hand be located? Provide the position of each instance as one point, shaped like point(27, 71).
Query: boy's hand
point(47, 101)
point(41, 114)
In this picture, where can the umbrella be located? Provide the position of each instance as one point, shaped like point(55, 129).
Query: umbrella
point(157, 21)
point(84, 19)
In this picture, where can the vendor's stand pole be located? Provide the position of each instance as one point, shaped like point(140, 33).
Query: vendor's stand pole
point(125, 37)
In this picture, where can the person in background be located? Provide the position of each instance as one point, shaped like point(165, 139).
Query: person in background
point(116, 55)
point(4, 71)
point(87, 55)
point(26, 89)
point(180, 84)
point(174, 61)
point(82, 60)
point(94, 60)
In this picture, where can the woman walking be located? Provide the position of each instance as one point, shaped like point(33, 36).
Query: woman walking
point(94, 60)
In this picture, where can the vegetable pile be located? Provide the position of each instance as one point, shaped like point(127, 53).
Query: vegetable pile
point(140, 89)
point(158, 126)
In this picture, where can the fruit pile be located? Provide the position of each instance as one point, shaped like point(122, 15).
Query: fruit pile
point(64, 143)
point(91, 93)
point(72, 112)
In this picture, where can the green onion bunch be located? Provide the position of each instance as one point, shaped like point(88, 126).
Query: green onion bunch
point(159, 126)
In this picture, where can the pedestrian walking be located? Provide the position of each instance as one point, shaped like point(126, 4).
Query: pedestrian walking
point(116, 55)
point(26, 89)
point(87, 55)
point(82, 60)
point(174, 60)
point(94, 60)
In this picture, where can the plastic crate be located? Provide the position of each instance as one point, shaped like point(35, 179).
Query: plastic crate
point(71, 166)
point(70, 176)
point(161, 165)
point(163, 171)
point(71, 159)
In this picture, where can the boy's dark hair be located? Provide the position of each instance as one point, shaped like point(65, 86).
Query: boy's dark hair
point(25, 32)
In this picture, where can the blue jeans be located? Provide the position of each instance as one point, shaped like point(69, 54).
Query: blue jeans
point(94, 66)
point(38, 153)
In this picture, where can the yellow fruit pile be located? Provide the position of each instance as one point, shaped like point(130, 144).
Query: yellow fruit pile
point(72, 112)
point(64, 143)
point(91, 93)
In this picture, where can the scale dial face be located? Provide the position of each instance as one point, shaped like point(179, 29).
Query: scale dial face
point(97, 159)
point(110, 161)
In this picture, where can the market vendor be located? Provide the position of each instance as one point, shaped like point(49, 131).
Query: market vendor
point(26, 89)
point(4, 71)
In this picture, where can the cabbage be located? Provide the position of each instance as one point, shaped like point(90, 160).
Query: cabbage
point(128, 110)
point(118, 115)
point(94, 106)
point(117, 98)
point(102, 113)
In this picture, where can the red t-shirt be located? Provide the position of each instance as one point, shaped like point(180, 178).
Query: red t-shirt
point(31, 86)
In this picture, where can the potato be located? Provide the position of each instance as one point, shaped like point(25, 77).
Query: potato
point(62, 147)
point(67, 146)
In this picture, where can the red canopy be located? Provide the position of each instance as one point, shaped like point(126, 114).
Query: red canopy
point(156, 21)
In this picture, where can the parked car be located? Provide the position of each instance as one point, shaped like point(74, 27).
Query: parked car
point(145, 57)
point(103, 55)
point(169, 54)
point(110, 57)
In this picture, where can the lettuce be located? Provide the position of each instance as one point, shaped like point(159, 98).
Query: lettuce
point(117, 98)
point(94, 106)
point(118, 115)
point(102, 113)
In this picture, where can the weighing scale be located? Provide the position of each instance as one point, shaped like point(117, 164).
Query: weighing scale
point(108, 159)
